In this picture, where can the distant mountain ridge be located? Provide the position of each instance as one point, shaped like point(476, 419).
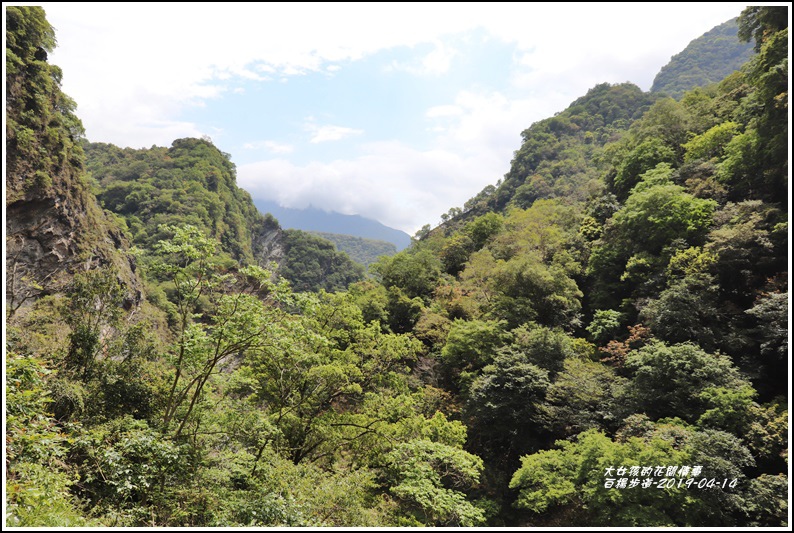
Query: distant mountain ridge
point(313, 219)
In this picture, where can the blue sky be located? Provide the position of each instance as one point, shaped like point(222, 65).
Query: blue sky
point(396, 112)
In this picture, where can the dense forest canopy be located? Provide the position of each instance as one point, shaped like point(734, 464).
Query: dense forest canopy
point(598, 339)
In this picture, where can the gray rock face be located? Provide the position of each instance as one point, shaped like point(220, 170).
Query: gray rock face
point(50, 236)
point(268, 246)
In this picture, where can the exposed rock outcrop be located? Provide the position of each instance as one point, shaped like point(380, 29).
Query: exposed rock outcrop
point(54, 226)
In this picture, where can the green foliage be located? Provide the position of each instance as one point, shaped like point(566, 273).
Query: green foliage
point(641, 159)
point(31, 432)
point(125, 464)
point(244, 399)
point(415, 273)
point(574, 475)
point(658, 175)
point(307, 372)
point(711, 143)
point(702, 321)
point(482, 229)
point(283, 494)
point(95, 305)
point(312, 263)
point(542, 346)
point(765, 108)
point(37, 484)
point(192, 182)
point(629, 260)
point(456, 252)
point(749, 242)
point(238, 322)
point(729, 408)
point(671, 380)
point(574, 478)
point(526, 273)
point(767, 501)
point(771, 311)
point(605, 325)
point(362, 251)
point(505, 406)
point(707, 59)
point(471, 344)
point(759, 22)
point(42, 131)
point(561, 156)
point(585, 395)
point(422, 470)
point(40, 498)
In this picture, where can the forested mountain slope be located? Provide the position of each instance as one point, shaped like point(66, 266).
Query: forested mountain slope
point(561, 156)
point(193, 182)
point(598, 340)
point(54, 226)
point(575, 293)
point(706, 60)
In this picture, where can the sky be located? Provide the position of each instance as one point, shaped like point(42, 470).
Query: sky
point(396, 112)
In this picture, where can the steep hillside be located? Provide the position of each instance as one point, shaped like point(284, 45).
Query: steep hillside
point(707, 59)
point(54, 226)
point(312, 263)
point(569, 308)
point(193, 182)
point(561, 156)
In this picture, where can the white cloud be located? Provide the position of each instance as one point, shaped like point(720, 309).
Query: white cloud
point(271, 146)
point(443, 111)
point(401, 186)
point(134, 68)
point(435, 63)
point(398, 185)
point(145, 62)
point(330, 133)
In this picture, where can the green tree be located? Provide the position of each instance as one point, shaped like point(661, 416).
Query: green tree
point(629, 259)
point(644, 157)
point(579, 479)
point(604, 326)
point(758, 167)
point(312, 263)
point(236, 322)
point(585, 395)
point(572, 479)
point(698, 294)
point(472, 344)
point(95, 306)
point(545, 347)
point(712, 143)
point(505, 406)
point(38, 482)
point(669, 380)
point(430, 476)
point(416, 274)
